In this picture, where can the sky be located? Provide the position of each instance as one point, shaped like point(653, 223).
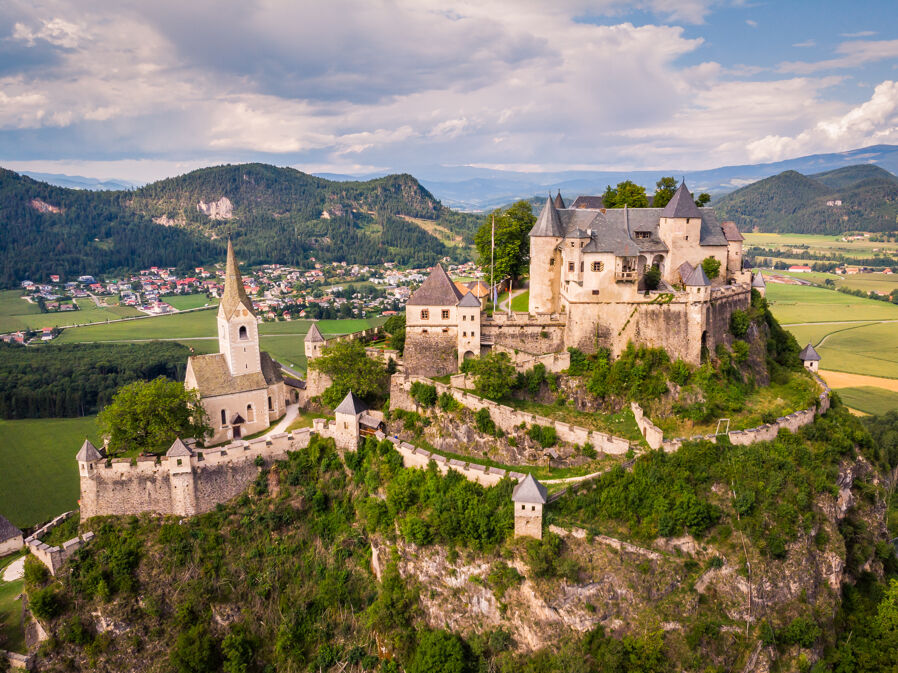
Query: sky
point(144, 90)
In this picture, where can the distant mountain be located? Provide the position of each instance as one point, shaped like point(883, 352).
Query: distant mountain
point(796, 203)
point(477, 189)
point(273, 214)
point(80, 182)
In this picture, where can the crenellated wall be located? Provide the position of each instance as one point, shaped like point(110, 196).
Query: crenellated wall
point(504, 416)
point(540, 333)
point(54, 556)
point(181, 486)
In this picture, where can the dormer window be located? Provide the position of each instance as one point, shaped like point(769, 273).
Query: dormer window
point(242, 333)
point(643, 234)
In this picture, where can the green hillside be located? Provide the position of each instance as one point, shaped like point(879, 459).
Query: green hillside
point(796, 203)
point(277, 214)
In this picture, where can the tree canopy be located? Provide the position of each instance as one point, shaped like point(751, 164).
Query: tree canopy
point(147, 416)
point(665, 188)
point(494, 375)
point(512, 252)
point(349, 368)
point(627, 193)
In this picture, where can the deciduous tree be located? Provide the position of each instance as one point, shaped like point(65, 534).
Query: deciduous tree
point(512, 252)
point(350, 368)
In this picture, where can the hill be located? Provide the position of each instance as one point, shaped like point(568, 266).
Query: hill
point(796, 203)
point(277, 214)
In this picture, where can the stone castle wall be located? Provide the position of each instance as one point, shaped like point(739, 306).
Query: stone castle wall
point(173, 486)
point(504, 416)
point(54, 556)
point(540, 333)
point(431, 351)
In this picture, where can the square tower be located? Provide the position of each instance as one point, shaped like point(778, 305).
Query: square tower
point(238, 330)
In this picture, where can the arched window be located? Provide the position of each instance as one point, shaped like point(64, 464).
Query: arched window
point(224, 418)
point(250, 414)
point(242, 332)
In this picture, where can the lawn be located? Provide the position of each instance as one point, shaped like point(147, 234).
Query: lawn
point(621, 424)
point(174, 326)
point(802, 303)
point(18, 314)
point(37, 461)
point(186, 301)
point(869, 399)
point(870, 349)
point(521, 302)
point(11, 615)
point(15, 312)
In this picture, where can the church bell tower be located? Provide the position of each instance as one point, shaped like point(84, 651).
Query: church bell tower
point(238, 331)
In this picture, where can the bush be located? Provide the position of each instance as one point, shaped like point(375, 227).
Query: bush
point(501, 578)
point(424, 394)
point(45, 603)
point(544, 435)
point(484, 422)
point(800, 631)
point(711, 266)
point(494, 375)
point(543, 555)
point(195, 651)
point(36, 573)
point(739, 323)
point(448, 403)
point(652, 278)
point(440, 652)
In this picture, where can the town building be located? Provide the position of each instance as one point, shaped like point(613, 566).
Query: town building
point(11, 539)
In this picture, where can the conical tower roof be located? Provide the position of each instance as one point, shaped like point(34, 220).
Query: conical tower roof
point(351, 405)
point(808, 353)
point(88, 453)
point(698, 278)
point(529, 490)
point(437, 290)
point(178, 449)
point(548, 224)
point(314, 335)
point(559, 202)
point(758, 280)
point(681, 204)
point(234, 293)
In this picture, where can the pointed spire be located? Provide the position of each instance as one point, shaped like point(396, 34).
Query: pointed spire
point(314, 335)
point(234, 294)
point(88, 453)
point(681, 204)
point(549, 223)
point(808, 354)
point(758, 281)
point(529, 490)
point(698, 278)
point(178, 449)
point(559, 202)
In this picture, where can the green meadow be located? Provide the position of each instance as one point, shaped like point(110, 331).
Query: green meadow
point(802, 303)
point(18, 314)
point(183, 302)
point(869, 399)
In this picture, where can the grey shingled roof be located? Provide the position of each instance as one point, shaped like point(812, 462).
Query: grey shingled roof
point(7, 530)
point(559, 202)
point(469, 301)
point(808, 354)
point(437, 290)
point(214, 378)
point(757, 280)
point(685, 270)
point(234, 295)
point(589, 202)
point(681, 204)
point(698, 278)
point(314, 335)
point(351, 405)
point(731, 231)
point(530, 491)
point(178, 449)
point(88, 453)
point(548, 224)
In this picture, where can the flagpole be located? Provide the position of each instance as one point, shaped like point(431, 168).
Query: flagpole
point(493, 260)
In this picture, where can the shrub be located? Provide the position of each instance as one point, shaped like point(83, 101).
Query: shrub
point(484, 422)
point(36, 573)
point(501, 578)
point(542, 555)
point(440, 652)
point(740, 352)
point(493, 373)
point(448, 403)
point(711, 266)
point(45, 603)
point(652, 278)
point(579, 362)
point(739, 323)
point(544, 435)
point(195, 651)
point(424, 394)
point(800, 631)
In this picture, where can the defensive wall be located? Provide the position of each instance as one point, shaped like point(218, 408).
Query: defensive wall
point(503, 416)
point(180, 485)
point(763, 433)
point(54, 556)
point(532, 333)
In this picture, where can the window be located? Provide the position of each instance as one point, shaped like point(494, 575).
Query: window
point(444, 314)
point(643, 234)
point(242, 333)
point(598, 266)
point(523, 506)
point(269, 403)
point(224, 418)
point(581, 267)
point(250, 413)
point(687, 220)
point(570, 266)
point(532, 508)
point(595, 292)
point(464, 317)
point(425, 314)
point(552, 262)
point(573, 243)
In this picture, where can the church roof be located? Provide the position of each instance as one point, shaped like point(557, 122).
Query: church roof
point(213, 377)
point(731, 231)
point(7, 530)
point(681, 204)
point(88, 453)
point(178, 450)
point(351, 405)
point(559, 202)
point(529, 490)
point(234, 295)
point(469, 301)
point(548, 224)
point(757, 280)
point(808, 354)
point(314, 335)
point(437, 290)
point(697, 278)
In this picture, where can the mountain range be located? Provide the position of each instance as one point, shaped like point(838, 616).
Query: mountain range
point(277, 215)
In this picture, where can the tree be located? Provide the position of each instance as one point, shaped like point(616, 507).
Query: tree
point(665, 188)
point(195, 651)
point(349, 368)
point(652, 278)
point(494, 375)
point(711, 266)
point(395, 327)
point(627, 193)
point(512, 251)
point(147, 416)
point(439, 652)
point(703, 199)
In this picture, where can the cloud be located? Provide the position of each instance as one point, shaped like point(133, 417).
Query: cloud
point(851, 55)
point(806, 43)
point(860, 33)
point(751, 22)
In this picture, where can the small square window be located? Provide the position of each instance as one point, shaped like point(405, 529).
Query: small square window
point(445, 314)
point(595, 292)
point(425, 314)
point(552, 262)
point(570, 266)
point(598, 266)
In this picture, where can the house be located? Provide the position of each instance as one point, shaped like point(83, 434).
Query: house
point(11, 538)
point(800, 268)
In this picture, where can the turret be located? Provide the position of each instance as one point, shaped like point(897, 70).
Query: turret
point(697, 285)
point(545, 260)
point(347, 415)
point(88, 463)
point(313, 343)
point(238, 331)
point(680, 228)
point(468, 312)
point(758, 283)
point(809, 358)
point(183, 487)
point(528, 497)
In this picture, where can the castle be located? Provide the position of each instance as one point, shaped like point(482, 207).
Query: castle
point(589, 288)
point(240, 387)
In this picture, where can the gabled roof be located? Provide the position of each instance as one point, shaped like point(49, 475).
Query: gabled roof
point(685, 270)
point(808, 354)
point(548, 224)
point(237, 419)
point(731, 231)
point(559, 202)
point(681, 204)
point(469, 301)
point(589, 202)
point(757, 280)
point(7, 530)
point(88, 453)
point(437, 290)
point(213, 377)
point(351, 405)
point(529, 490)
point(178, 449)
point(479, 288)
point(234, 295)
point(314, 335)
point(697, 278)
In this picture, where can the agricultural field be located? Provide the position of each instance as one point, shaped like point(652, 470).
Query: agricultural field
point(869, 399)
point(793, 304)
point(182, 302)
point(37, 461)
point(11, 613)
point(18, 314)
point(819, 244)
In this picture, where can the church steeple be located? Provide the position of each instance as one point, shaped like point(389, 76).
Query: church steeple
point(238, 331)
point(234, 295)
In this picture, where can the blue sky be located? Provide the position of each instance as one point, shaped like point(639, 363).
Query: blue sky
point(138, 90)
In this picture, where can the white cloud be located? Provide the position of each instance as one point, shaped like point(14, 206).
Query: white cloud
point(806, 43)
point(751, 22)
point(851, 54)
point(860, 33)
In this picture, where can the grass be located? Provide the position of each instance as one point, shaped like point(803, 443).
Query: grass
point(521, 302)
point(621, 424)
point(11, 615)
point(63, 532)
point(802, 303)
point(870, 349)
point(817, 243)
point(869, 399)
point(37, 461)
point(186, 301)
point(304, 420)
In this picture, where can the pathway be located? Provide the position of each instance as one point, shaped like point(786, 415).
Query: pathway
point(503, 305)
point(284, 423)
point(15, 570)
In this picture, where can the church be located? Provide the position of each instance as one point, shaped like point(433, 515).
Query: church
point(241, 387)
